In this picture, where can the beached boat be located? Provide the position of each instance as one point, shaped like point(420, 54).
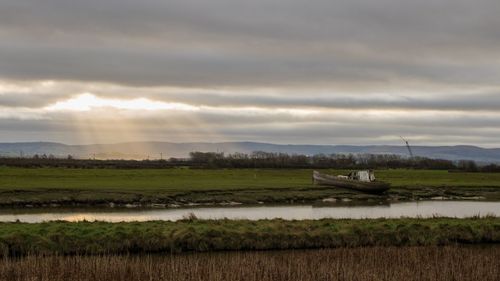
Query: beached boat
point(358, 180)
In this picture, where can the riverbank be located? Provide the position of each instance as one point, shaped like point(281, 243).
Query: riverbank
point(314, 195)
point(163, 188)
point(220, 235)
point(361, 264)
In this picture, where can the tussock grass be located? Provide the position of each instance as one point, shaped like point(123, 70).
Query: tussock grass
point(196, 235)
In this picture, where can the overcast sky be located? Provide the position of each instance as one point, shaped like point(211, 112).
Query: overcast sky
point(281, 71)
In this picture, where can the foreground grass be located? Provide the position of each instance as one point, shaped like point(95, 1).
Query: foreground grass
point(178, 185)
point(216, 235)
point(390, 263)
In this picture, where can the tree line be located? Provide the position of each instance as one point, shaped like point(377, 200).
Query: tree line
point(71, 162)
point(261, 159)
point(257, 159)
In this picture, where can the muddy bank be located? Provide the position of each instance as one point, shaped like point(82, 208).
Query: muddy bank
point(135, 199)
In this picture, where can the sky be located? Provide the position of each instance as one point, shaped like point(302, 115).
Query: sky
point(281, 71)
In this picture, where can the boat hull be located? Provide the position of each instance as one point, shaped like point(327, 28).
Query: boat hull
point(370, 187)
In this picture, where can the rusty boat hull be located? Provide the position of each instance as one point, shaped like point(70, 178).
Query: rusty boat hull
point(369, 187)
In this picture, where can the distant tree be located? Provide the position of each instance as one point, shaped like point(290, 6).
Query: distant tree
point(467, 165)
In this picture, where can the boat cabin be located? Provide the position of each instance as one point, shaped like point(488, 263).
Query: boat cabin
point(363, 175)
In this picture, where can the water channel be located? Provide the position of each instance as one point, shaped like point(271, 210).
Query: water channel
point(458, 209)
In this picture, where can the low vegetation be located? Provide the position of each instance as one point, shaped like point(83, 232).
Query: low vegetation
point(64, 186)
point(361, 264)
point(218, 235)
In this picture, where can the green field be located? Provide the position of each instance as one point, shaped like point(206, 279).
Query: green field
point(202, 179)
point(62, 185)
point(151, 179)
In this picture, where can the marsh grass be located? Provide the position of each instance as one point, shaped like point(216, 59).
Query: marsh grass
point(194, 235)
point(377, 263)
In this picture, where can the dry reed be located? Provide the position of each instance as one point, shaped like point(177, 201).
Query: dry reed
point(375, 263)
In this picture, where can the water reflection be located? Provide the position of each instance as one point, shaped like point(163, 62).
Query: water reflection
point(459, 209)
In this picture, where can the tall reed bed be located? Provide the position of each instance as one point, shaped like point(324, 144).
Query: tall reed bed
point(375, 263)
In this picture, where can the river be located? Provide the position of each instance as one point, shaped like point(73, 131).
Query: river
point(424, 209)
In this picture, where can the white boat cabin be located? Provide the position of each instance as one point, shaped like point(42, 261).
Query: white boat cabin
point(363, 175)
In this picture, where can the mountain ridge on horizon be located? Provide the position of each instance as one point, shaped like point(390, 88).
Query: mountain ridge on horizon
point(159, 149)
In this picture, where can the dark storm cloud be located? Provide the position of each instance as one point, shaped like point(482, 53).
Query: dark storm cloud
point(250, 43)
point(26, 100)
point(441, 101)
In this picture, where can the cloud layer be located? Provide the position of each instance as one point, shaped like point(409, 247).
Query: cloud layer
point(360, 72)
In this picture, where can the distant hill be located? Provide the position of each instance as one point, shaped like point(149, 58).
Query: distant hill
point(153, 150)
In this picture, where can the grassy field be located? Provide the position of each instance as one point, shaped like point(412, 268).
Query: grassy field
point(178, 185)
point(220, 235)
point(202, 179)
point(360, 264)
